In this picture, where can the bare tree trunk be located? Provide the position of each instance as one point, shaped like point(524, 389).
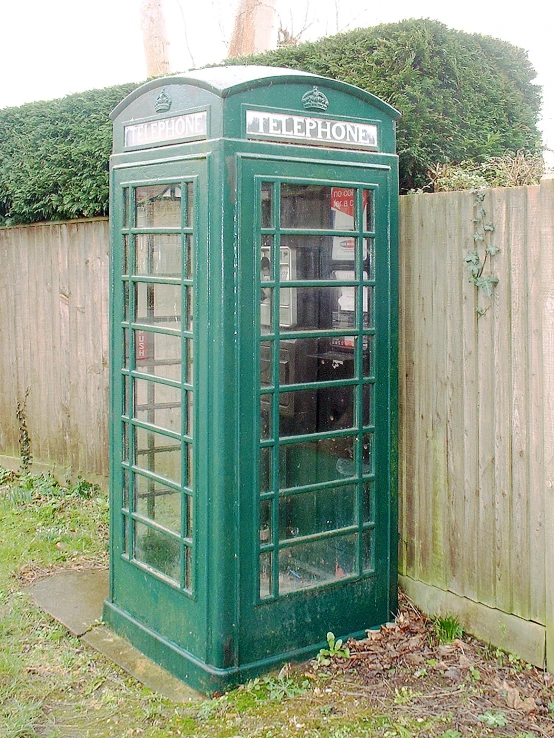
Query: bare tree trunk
point(254, 28)
point(154, 36)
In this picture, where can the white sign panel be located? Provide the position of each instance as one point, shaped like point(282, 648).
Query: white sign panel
point(192, 126)
point(307, 130)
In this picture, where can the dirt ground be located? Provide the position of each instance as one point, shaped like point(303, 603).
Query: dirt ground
point(405, 663)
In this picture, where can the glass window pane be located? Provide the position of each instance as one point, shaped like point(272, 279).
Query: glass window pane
point(369, 307)
point(189, 297)
point(368, 551)
point(125, 260)
point(316, 410)
point(368, 502)
point(158, 404)
point(343, 206)
point(316, 562)
point(305, 257)
point(189, 257)
point(266, 426)
point(158, 502)
point(265, 470)
point(188, 517)
point(317, 359)
point(368, 456)
point(305, 206)
point(265, 522)
point(367, 356)
point(315, 512)
point(158, 206)
point(367, 405)
point(265, 575)
point(188, 194)
point(158, 304)
point(316, 461)
point(158, 551)
point(321, 308)
point(158, 354)
point(369, 258)
point(159, 454)
point(266, 363)
point(369, 210)
point(158, 254)
point(125, 214)
point(267, 204)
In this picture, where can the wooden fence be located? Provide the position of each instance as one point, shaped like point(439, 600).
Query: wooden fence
point(476, 434)
point(54, 338)
point(477, 413)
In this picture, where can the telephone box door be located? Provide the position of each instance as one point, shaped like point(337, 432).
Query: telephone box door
point(316, 273)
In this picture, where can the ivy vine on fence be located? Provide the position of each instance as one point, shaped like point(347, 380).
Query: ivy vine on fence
point(479, 261)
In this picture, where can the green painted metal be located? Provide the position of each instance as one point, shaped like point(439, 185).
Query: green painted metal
point(253, 447)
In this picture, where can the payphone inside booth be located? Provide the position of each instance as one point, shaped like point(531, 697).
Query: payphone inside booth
point(253, 281)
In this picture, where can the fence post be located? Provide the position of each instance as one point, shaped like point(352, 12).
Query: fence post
point(547, 256)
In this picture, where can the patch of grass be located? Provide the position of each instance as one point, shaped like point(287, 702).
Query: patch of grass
point(447, 629)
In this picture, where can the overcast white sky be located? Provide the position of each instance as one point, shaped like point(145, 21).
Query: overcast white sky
point(50, 48)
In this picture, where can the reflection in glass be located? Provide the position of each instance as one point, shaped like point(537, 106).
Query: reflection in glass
point(369, 210)
point(158, 454)
point(316, 512)
point(158, 255)
point(158, 404)
point(265, 470)
point(158, 354)
point(157, 550)
point(312, 462)
point(158, 503)
point(266, 427)
point(369, 259)
point(316, 562)
point(317, 410)
point(267, 204)
point(367, 405)
point(368, 502)
point(158, 304)
point(367, 356)
point(265, 575)
point(265, 522)
point(368, 551)
point(158, 206)
point(367, 453)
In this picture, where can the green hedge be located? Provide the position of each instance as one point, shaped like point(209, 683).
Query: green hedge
point(462, 97)
point(54, 157)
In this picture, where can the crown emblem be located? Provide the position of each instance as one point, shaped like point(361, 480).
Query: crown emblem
point(163, 102)
point(315, 100)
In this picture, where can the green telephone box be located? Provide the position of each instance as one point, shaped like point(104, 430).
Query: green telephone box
point(254, 369)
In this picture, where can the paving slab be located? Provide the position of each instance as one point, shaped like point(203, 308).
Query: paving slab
point(75, 598)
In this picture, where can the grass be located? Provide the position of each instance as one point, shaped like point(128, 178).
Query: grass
point(53, 686)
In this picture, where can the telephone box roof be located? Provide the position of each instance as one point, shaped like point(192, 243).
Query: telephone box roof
point(230, 80)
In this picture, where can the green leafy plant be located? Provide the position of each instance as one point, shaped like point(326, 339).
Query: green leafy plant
point(278, 688)
point(24, 438)
point(493, 719)
point(335, 649)
point(451, 734)
point(447, 628)
point(484, 251)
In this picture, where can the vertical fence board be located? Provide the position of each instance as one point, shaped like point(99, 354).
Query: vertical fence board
point(455, 431)
point(547, 269)
point(502, 365)
point(520, 449)
point(468, 329)
point(485, 533)
point(535, 419)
